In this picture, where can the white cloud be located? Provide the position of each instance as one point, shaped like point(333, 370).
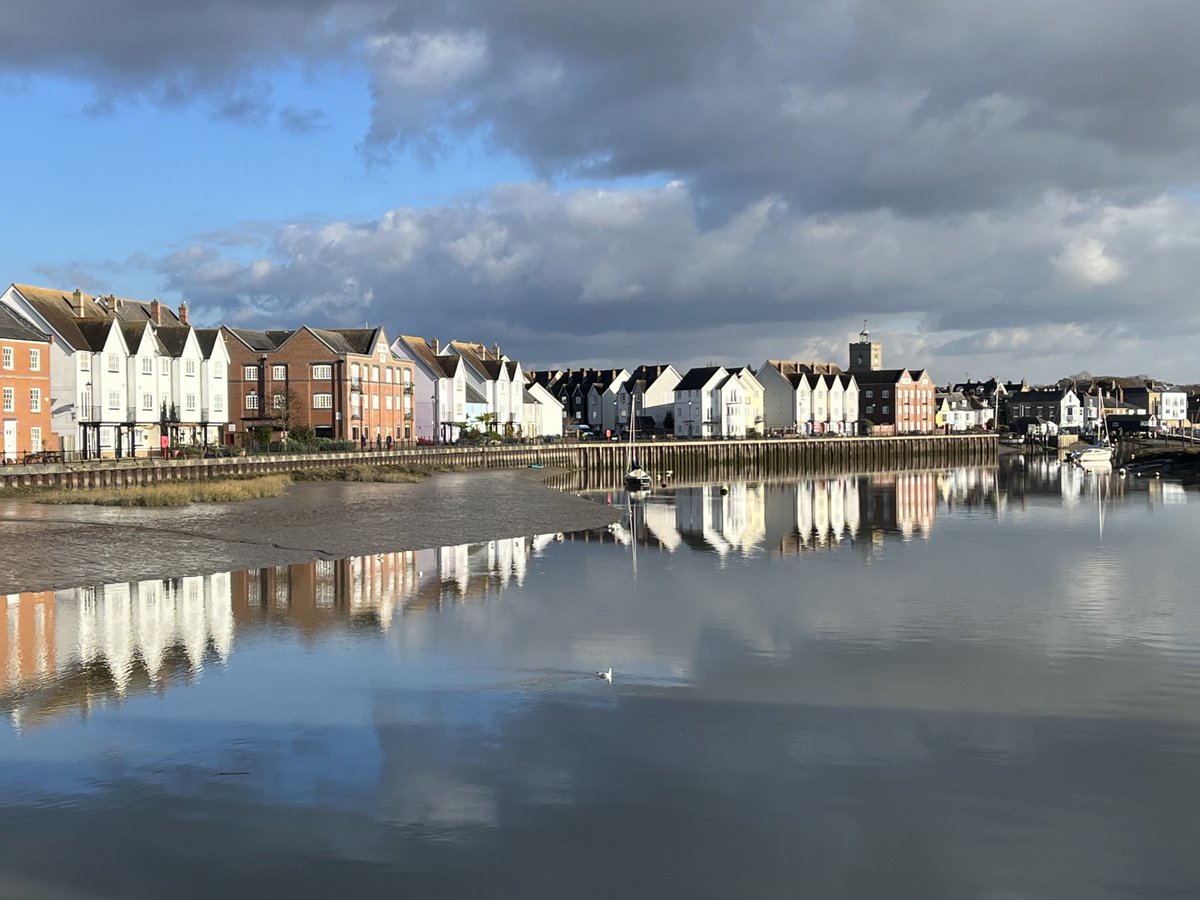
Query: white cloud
point(1086, 262)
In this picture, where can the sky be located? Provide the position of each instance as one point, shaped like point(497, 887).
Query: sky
point(996, 189)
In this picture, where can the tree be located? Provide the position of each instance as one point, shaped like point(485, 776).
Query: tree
point(287, 407)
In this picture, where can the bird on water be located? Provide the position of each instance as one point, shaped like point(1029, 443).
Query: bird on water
point(606, 675)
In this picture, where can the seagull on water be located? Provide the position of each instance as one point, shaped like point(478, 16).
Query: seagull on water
point(606, 675)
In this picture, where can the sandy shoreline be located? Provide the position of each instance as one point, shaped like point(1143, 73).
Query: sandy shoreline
point(52, 547)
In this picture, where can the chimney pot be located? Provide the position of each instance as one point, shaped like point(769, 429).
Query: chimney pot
point(496, 350)
point(437, 346)
point(183, 312)
point(77, 302)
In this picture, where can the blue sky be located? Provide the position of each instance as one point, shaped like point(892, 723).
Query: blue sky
point(997, 189)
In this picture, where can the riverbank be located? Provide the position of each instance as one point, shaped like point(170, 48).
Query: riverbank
point(52, 547)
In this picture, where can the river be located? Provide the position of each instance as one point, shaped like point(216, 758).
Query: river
point(953, 683)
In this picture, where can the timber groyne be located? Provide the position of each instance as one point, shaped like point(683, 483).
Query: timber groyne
point(597, 463)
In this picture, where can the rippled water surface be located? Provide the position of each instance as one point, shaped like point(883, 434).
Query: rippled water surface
point(959, 683)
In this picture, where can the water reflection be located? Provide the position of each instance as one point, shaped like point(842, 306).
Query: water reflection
point(818, 685)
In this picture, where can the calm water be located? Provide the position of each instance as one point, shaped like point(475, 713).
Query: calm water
point(941, 684)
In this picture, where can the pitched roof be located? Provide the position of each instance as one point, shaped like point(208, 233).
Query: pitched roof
point(882, 376)
point(173, 338)
point(493, 368)
point(421, 351)
point(16, 328)
point(473, 396)
point(94, 333)
point(208, 340)
point(360, 340)
point(695, 379)
point(791, 367)
point(255, 340)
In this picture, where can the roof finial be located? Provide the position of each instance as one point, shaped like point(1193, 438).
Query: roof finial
point(864, 334)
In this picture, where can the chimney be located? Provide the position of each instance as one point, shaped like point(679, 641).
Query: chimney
point(156, 312)
point(183, 312)
point(77, 303)
point(437, 346)
point(496, 350)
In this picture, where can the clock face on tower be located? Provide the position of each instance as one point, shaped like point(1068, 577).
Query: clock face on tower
point(858, 360)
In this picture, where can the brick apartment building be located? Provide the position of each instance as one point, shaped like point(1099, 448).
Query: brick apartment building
point(345, 384)
point(24, 388)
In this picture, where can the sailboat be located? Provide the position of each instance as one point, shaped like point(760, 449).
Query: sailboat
point(636, 478)
point(1100, 452)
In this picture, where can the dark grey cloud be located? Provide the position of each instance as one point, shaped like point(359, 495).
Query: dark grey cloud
point(922, 106)
point(303, 121)
point(613, 276)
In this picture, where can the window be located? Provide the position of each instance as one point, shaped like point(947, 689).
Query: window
point(189, 401)
point(870, 394)
point(147, 365)
point(165, 368)
point(189, 367)
point(886, 394)
point(374, 401)
point(252, 400)
point(279, 401)
point(35, 439)
point(322, 401)
point(114, 399)
point(406, 376)
point(147, 401)
point(114, 362)
point(322, 373)
point(35, 359)
point(218, 369)
point(250, 373)
point(9, 399)
point(387, 401)
point(279, 373)
point(35, 400)
point(85, 362)
point(886, 410)
point(375, 373)
point(218, 403)
point(8, 357)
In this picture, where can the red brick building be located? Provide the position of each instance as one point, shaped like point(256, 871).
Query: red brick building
point(24, 389)
point(342, 383)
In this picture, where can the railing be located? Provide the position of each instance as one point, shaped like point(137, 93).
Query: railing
point(356, 384)
point(408, 388)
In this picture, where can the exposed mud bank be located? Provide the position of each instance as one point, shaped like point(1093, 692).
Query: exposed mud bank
point(51, 547)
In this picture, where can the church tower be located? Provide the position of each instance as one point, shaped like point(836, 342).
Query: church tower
point(866, 354)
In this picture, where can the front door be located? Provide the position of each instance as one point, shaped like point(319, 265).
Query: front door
point(10, 440)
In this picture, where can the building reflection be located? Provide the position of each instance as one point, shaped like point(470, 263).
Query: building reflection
point(744, 518)
point(68, 651)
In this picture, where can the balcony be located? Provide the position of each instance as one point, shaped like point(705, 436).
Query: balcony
point(356, 417)
point(408, 388)
point(356, 384)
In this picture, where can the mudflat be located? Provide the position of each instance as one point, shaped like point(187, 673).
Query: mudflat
point(51, 547)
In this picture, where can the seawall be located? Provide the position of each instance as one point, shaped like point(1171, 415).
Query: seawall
point(597, 462)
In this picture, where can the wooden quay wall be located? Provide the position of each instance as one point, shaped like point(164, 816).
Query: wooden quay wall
point(595, 463)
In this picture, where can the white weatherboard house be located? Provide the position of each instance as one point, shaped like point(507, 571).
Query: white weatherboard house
point(697, 402)
point(109, 363)
point(650, 391)
point(544, 413)
point(440, 388)
point(808, 398)
point(214, 385)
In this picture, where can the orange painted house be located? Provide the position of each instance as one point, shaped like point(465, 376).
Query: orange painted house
point(24, 389)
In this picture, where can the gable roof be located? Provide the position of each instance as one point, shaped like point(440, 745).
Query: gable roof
point(255, 340)
point(173, 339)
point(93, 333)
point(788, 367)
point(695, 379)
point(17, 328)
point(207, 337)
